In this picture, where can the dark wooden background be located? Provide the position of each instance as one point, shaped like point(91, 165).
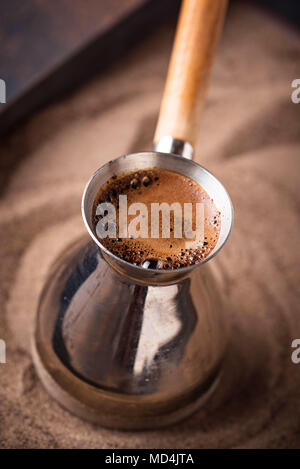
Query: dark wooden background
point(48, 47)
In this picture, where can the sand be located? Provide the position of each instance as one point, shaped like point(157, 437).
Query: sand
point(250, 139)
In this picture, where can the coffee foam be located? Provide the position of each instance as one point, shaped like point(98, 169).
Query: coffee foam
point(159, 185)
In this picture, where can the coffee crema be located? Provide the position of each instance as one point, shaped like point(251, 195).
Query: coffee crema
point(158, 185)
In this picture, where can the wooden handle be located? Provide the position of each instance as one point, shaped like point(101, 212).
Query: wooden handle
point(199, 26)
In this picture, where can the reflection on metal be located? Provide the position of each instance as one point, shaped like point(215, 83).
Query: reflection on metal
point(125, 346)
point(178, 147)
point(157, 322)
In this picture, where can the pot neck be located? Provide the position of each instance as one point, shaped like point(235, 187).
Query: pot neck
point(140, 276)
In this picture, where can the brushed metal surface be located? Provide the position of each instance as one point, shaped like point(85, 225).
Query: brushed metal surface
point(129, 347)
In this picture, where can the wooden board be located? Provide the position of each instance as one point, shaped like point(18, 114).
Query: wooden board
point(50, 47)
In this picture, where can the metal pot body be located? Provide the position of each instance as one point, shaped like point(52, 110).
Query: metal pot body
point(129, 347)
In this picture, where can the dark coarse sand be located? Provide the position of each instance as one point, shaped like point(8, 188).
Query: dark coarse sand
point(250, 139)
